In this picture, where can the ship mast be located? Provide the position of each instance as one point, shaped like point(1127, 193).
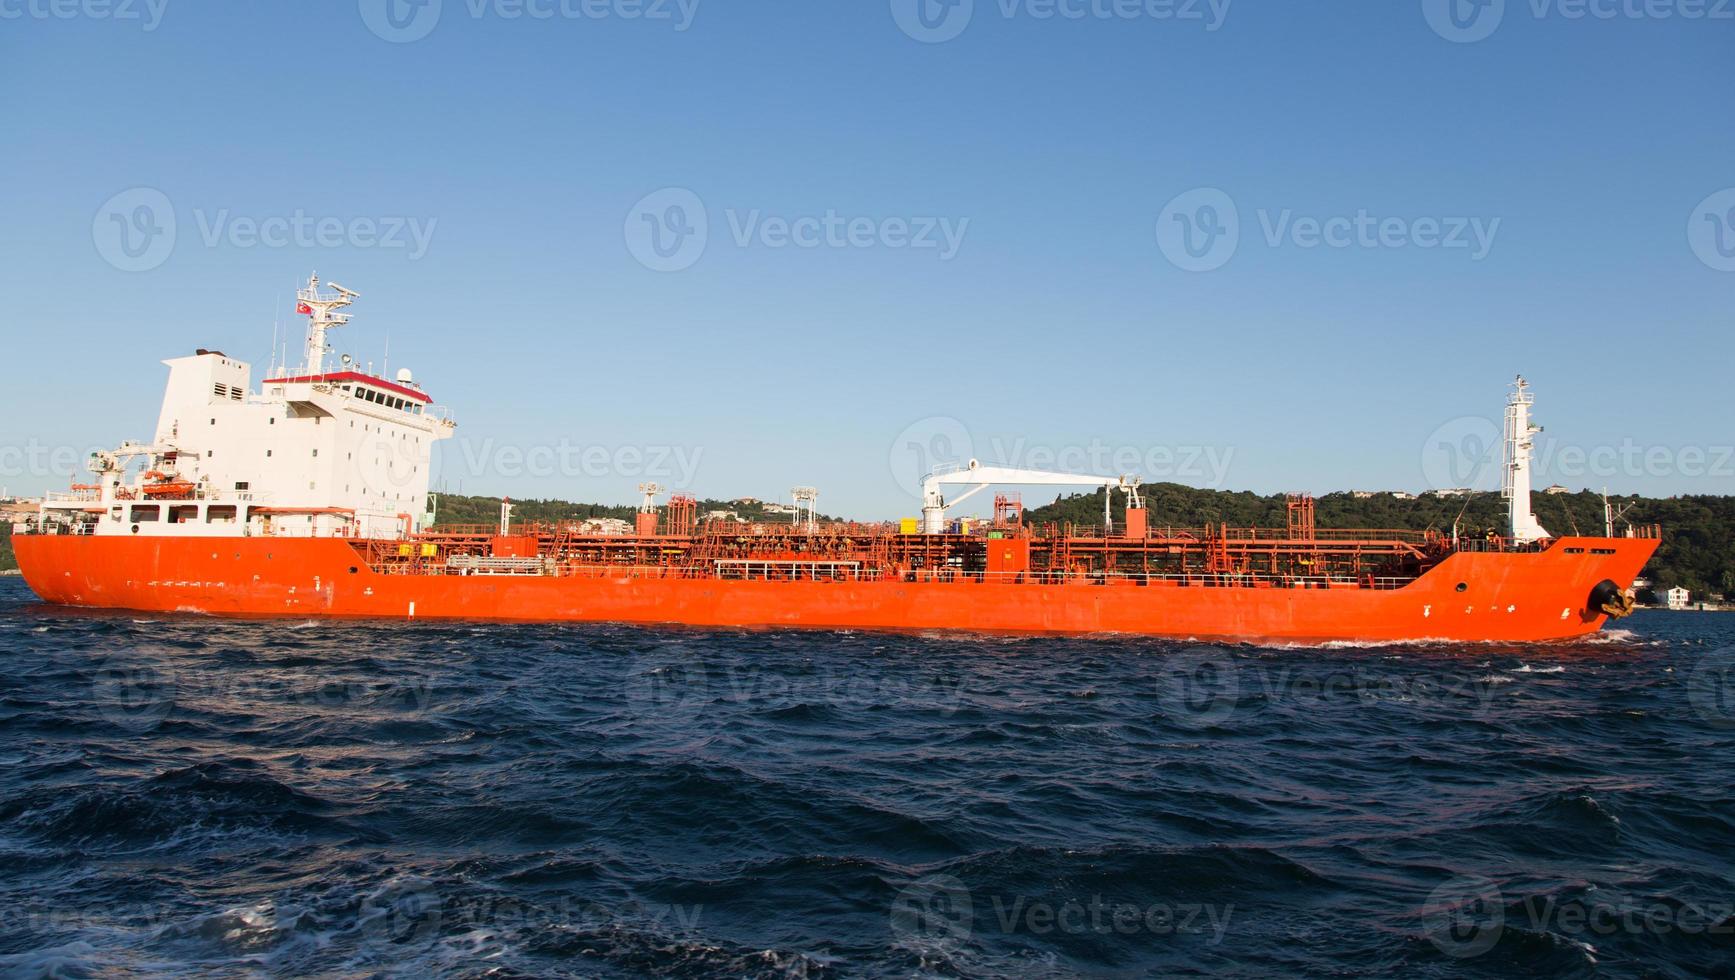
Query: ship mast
point(1521, 522)
point(321, 311)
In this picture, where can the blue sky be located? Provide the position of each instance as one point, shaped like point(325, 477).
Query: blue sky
point(993, 216)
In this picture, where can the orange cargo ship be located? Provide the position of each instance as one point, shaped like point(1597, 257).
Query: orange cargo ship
point(308, 497)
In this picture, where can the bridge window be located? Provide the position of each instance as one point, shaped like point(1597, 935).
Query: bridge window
point(146, 512)
point(183, 515)
point(220, 514)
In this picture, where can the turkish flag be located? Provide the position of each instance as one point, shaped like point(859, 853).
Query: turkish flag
point(304, 309)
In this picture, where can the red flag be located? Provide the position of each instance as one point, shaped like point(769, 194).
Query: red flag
point(304, 309)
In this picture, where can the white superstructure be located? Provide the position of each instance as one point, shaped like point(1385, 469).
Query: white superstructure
point(307, 453)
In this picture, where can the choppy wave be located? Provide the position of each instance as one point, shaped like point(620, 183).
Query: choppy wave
point(197, 797)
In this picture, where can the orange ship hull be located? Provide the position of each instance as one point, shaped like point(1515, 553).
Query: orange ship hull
point(1469, 596)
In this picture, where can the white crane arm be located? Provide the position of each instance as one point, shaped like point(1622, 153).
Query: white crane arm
point(976, 477)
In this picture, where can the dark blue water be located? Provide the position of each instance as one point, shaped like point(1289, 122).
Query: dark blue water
point(204, 797)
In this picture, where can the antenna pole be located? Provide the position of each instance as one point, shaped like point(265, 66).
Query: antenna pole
point(321, 312)
point(1520, 436)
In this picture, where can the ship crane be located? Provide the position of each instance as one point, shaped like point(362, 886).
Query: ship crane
point(977, 477)
point(110, 465)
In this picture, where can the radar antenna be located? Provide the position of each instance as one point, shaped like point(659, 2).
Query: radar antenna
point(321, 311)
